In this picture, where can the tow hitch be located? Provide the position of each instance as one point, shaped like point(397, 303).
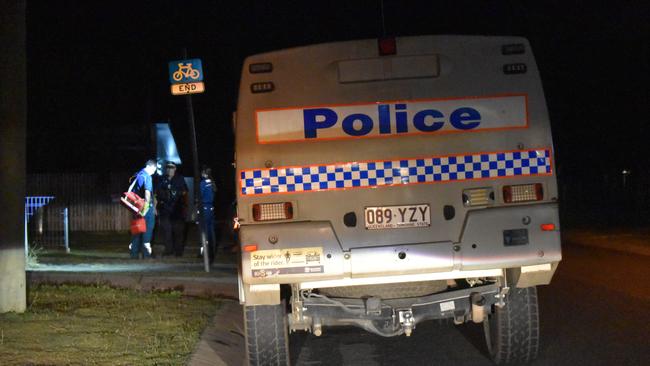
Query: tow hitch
point(407, 321)
point(389, 317)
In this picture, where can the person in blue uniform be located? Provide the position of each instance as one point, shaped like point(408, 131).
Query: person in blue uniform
point(208, 188)
point(171, 195)
point(144, 188)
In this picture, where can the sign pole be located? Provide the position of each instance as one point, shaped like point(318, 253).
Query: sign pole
point(13, 119)
point(198, 200)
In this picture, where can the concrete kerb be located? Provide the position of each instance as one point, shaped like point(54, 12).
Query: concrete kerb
point(222, 341)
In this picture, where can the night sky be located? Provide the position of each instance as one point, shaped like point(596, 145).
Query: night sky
point(97, 72)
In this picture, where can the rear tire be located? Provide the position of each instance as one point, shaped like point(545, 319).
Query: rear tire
point(512, 332)
point(267, 338)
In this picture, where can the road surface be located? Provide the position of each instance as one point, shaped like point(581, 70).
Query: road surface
point(596, 312)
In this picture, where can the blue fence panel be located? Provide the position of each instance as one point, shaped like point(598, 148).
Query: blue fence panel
point(33, 203)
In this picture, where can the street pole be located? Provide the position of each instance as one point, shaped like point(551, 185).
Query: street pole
point(13, 119)
point(198, 199)
point(26, 238)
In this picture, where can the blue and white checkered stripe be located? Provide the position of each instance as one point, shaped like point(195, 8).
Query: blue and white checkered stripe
point(396, 172)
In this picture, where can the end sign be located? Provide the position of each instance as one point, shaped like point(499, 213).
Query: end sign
point(186, 76)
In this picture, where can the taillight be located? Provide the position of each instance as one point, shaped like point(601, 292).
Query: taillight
point(523, 193)
point(272, 211)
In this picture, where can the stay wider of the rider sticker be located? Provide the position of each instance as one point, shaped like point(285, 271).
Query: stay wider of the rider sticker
point(267, 263)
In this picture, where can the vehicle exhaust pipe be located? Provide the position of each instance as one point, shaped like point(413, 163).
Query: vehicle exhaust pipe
point(478, 307)
point(317, 328)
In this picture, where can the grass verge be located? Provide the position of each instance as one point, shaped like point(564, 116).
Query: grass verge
point(89, 325)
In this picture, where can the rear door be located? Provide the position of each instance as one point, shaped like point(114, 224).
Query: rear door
point(394, 141)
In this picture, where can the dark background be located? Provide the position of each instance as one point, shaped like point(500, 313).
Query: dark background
point(97, 79)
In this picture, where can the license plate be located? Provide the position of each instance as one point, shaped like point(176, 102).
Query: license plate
point(397, 217)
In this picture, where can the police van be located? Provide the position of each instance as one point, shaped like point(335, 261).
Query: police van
point(384, 183)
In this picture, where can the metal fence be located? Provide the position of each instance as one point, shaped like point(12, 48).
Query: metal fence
point(92, 200)
point(43, 227)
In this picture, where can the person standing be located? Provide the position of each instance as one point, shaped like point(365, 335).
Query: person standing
point(144, 188)
point(171, 195)
point(208, 188)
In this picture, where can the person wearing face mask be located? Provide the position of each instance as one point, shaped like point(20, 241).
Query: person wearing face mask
point(143, 186)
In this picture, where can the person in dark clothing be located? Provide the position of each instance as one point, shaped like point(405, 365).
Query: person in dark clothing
point(171, 194)
point(208, 188)
point(144, 188)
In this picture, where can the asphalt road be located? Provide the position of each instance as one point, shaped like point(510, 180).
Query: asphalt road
point(595, 312)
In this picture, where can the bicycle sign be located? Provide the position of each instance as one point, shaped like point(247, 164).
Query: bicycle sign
point(186, 76)
point(185, 71)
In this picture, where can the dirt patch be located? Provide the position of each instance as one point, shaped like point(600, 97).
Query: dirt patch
point(99, 325)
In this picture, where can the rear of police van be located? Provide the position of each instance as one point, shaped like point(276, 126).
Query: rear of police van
point(372, 168)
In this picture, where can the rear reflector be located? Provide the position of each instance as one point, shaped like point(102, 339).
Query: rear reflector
point(387, 46)
point(523, 193)
point(272, 211)
point(547, 227)
point(250, 248)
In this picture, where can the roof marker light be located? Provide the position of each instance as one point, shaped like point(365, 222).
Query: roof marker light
point(263, 87)
point(260, 67)
point(513, 49)
point(517, 68)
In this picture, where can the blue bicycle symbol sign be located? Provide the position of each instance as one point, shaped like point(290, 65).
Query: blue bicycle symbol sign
point(185, 71)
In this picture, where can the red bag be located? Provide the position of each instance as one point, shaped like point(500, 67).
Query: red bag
point(131, 199)
point(138, 226)
point(134, 202)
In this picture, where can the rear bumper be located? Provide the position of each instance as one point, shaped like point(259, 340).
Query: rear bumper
point(481, 251)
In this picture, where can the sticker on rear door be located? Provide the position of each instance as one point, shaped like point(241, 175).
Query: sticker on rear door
point(268, 263)
point(392, 118)
point(397, 217)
